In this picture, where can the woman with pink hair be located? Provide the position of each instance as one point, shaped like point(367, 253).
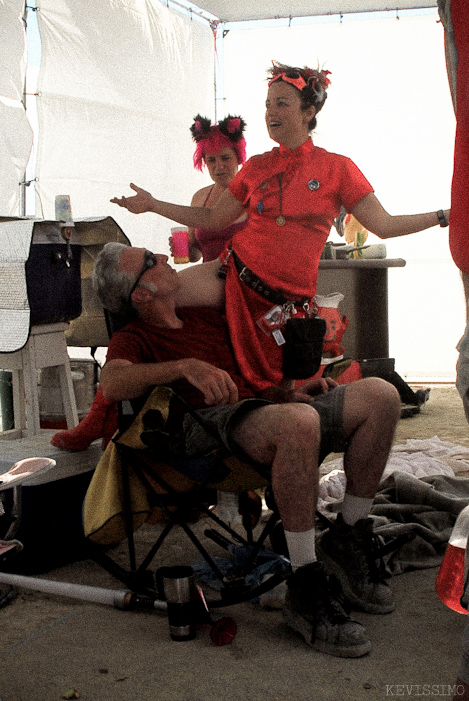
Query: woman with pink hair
point(222, 148)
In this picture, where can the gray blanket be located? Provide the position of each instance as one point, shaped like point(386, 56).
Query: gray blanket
point(427, 508)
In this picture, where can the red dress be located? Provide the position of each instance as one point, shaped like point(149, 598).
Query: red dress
point(307, 187)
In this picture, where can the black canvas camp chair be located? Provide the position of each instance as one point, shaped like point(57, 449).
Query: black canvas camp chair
point(172, 492)
point(174, 499)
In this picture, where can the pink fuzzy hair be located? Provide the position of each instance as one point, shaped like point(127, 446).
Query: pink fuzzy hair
point(211, 139)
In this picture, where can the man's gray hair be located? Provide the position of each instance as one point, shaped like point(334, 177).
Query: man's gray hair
point(111, 285)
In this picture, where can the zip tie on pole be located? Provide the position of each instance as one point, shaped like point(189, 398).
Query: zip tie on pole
point(28, 182)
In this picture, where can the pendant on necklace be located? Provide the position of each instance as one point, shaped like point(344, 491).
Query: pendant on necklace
point(280, 220)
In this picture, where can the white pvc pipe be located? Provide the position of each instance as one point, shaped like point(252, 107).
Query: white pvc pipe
point(97, 595)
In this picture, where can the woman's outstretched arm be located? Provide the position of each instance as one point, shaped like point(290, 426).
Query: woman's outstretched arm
point(372, 215)
point(226, 210)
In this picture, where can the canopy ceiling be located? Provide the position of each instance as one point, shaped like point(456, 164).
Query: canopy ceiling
point(228, 11)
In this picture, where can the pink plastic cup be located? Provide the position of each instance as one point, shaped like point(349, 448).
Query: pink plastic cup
point(180, 239)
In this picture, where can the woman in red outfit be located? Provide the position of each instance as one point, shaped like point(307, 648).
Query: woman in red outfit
point(292, 194)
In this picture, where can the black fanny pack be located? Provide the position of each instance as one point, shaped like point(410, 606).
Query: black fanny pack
point(302, 351)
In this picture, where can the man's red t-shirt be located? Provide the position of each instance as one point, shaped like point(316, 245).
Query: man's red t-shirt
point(204, 336)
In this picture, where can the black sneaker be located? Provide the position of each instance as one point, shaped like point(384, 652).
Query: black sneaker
point(349, 552)
point(312, 608)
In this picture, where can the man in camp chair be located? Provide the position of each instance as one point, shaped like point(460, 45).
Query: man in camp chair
point(189, 350)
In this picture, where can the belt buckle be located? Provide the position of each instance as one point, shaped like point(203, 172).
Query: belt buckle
point(255, 283)
point(244, 274)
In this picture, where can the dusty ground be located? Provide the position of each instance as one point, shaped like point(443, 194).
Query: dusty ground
point(442, 416)
point(50, 644)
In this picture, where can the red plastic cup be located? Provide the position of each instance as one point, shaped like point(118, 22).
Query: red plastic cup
point(180, 239)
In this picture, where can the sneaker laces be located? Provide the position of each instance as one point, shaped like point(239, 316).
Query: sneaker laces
point(367, 553)
point(368, 549)
point(322, 591)
point(330, 606)
point(335, 603)
point(372, 549)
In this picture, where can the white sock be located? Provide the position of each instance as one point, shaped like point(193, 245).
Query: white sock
point(355, 508)
point(301, 548)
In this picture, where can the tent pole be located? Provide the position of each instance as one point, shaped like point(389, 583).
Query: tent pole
point(22, 185)
point(218, 34)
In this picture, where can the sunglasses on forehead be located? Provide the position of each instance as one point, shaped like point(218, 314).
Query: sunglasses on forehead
point(149, 261)
point(293, 77)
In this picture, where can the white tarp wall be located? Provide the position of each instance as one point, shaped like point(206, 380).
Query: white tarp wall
point(120, 82)
point(389, 109)
point(15, 132)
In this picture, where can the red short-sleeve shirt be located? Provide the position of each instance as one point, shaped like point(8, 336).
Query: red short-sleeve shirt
point(307, 187)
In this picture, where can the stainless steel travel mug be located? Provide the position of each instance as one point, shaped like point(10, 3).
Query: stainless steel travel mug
point(179, 591)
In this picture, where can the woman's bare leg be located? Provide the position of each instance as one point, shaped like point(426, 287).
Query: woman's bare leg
point(201, 286)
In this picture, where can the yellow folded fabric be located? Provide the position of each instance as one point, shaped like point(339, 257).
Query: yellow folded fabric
point(103, 514)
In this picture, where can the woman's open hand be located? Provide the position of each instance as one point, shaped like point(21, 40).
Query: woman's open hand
point(143, 201)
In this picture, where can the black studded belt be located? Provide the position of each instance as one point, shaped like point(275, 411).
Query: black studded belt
point(259, 286)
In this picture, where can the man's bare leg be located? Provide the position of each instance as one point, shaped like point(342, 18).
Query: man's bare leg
point(371, 412)
point(287, 437)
